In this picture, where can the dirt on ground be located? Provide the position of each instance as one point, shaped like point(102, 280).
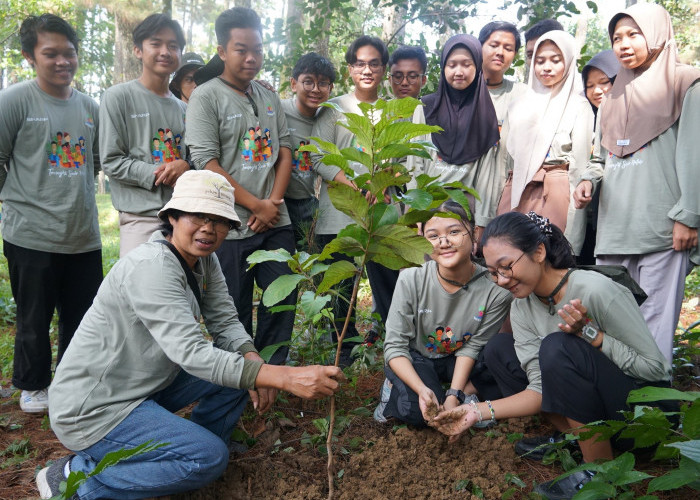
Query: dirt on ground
point(286, 457)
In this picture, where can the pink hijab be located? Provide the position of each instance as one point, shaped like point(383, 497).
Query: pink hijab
point(643, 104)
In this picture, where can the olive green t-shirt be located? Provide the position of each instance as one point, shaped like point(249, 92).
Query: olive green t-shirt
point(301, 184)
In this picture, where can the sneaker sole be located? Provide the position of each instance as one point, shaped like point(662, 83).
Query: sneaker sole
point(42, 484)
point(34, 410)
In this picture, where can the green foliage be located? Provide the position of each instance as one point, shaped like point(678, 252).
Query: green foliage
point(16, 452)
point(75, 479)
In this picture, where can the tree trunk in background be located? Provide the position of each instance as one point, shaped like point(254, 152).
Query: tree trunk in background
point(126, 66)
point(168, 7)
point(582, 29)
point(295, 20)
point(393, 29)
point(241, 3)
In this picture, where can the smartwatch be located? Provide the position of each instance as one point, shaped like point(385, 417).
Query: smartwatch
point(456, 393)
point(589, 333)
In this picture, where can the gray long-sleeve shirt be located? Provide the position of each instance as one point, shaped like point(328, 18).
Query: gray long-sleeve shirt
point(141, 330)
point(50, 148)
point(139, 130)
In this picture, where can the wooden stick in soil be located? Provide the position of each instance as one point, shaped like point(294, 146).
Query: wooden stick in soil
point(331, 423)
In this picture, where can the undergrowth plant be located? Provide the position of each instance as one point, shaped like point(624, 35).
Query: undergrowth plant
point(380, 232)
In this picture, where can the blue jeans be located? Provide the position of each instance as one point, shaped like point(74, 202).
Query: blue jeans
point(196, 453)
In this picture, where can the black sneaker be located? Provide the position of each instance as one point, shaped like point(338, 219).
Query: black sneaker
point(566, 488)
point(49, 478)
point(537, 447)
point(371, 338)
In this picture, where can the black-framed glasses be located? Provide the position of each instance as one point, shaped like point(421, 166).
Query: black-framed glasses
point(504, 271)
point(454, 238)
point(309, 85)
point(374, 65)
point(398, 77)
point(220, 225)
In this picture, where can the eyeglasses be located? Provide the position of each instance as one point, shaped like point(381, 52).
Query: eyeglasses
point(309, 85)
point(454, 238)
point(398, 77)
point(504, 271)
point(375, 65)
point(220, 225)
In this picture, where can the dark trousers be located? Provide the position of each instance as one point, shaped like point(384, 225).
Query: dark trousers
point(301, 213)
point(272, 328)
point(578, 380)
point(42, 282)
point(382, 281)
point(403, 401)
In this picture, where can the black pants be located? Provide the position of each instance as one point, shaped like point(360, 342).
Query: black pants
point(403, 402)
point(42, 282)
point(272, 328)
point(382, 281)
point(578, 380)
point(301, 213)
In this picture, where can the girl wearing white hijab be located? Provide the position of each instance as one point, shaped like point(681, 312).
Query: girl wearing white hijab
point(549, 139)
point(645, 158)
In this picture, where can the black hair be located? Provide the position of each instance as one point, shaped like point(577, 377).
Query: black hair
point(524, 234)
point(314, 64)
point(409, 52)
point(165, 225)
point(364, 40)
point(153, 24)
point(451, 206)
point(494, 26)
point(45, 23)
point(236, 17)
point(54, 142)
point(542, 27)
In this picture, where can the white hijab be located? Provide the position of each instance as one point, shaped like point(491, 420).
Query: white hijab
point(535, 117)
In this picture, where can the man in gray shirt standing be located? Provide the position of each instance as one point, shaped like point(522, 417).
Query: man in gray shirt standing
point(143, 132)
point(51, 238)
point(237, 128)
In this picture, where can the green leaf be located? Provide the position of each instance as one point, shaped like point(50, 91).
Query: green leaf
point(415, 216)
point(349, 201)
point(396, 151)
point(687, 472)
point(354, 154)
point(336, 272)
point(691, 421)
point(596, 490)
point(402, 108)
point(417, 199)
point(361, 411)
point(280, 288)
point(355, 232)
point(385, 179)
point(652, 394)
point(345, 245)
point(267, 351)
point(361, 128)
point(282, 308)
point(279, 255)
point(326, 146)
point(339, 161)
point(593, 6)
point(317, 268)
point(382, 214)
point(311, 304)
point(690, 449)
point(631, 477)
point(402, 131)
point(397, 246)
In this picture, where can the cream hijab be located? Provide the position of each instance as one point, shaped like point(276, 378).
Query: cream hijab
point(535, 117)
point(643, 104)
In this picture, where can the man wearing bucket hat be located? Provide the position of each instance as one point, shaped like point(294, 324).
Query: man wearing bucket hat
point(183, 82)
point(139, 355)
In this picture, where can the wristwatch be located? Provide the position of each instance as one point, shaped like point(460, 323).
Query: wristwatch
point(589, 333)
point(456, 393)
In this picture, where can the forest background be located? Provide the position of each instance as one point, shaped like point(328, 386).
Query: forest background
point(294, 27)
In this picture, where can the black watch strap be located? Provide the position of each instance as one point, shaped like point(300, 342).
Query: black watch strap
point(456, 393)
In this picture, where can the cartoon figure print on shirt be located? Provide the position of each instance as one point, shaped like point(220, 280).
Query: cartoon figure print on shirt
point(444, 340)
point(62, 152)
point(256, 148)
point(301, 160)
point(166, 146)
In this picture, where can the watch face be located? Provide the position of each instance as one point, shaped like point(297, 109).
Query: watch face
point(589, 333)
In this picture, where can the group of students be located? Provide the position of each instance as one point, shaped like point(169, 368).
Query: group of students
point(535, 154)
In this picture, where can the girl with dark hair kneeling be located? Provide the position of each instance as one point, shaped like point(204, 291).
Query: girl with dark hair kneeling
point(579, 343)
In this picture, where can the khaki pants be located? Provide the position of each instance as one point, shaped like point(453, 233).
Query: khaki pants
point(134, 230)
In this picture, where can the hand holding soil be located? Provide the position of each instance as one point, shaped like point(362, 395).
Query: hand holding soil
point(429, 405)
point(454, 422)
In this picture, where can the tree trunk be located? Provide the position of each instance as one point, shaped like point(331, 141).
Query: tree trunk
point(393, 28)
point(241, 3)
point(168, 7)
point(126, 66)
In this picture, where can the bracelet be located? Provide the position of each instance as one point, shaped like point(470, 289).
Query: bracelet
point(493, 413)
point(477, 410)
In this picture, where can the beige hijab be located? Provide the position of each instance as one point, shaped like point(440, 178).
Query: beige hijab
point(643, 104)
point(535, 117)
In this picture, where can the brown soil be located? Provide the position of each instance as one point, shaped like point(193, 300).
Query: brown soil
point(372, 460)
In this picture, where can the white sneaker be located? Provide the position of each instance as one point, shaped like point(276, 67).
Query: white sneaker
point(34, 401)
point(384, 395)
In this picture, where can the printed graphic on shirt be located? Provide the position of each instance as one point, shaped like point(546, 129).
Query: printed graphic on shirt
point(63, 152)
point(443, 168)
point(301, 161)
point(166, 147)
point(256, 148)
point(445, 341)
point(616, 163)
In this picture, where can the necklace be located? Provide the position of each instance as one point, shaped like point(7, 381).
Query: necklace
point(245, 92)
point(549, 299)
point(457, 283)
